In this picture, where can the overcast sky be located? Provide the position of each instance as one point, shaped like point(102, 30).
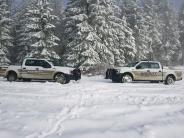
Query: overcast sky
point(177, 3)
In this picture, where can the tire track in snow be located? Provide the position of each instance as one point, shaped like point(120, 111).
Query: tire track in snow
point(152, 100)
point(97, 99)
point(87, 100)
point(66, 113)
point(165, 120)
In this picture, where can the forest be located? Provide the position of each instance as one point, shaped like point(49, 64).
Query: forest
point(88, 33)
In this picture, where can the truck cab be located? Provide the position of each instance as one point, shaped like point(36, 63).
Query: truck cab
point(150, 71)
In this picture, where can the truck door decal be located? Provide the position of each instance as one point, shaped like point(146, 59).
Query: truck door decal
point(42, 74)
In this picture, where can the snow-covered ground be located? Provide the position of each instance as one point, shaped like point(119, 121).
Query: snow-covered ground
point(91, 108)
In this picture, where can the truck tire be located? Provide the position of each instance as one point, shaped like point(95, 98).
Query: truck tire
point(170, 80)
point(61, 78)
point(12, 76)
point(127, 78)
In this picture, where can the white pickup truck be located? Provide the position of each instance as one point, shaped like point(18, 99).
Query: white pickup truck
point(144, 71)
point(40, 69)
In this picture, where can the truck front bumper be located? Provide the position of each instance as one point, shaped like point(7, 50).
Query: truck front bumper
point(113, 74)
point(75, 75)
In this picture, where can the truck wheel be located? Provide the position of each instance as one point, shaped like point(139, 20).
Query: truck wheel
point(61, 78)
point(170, 80)
point(127, 78)
point(12, 76)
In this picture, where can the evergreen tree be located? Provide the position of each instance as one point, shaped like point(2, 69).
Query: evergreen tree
point(84, 47)
point(132, 10)
point(5, 38)
point(153, 25)
point(24, 36)
point(170, 34)
point(112, 30)
point(44, 39)
point(181, 28)
point(58, 7)
point(97, 34)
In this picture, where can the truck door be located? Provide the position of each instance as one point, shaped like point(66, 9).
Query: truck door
point(46, 70)
point(37, 69)
point(29, 69)
point(155, 71)
point(142, 71)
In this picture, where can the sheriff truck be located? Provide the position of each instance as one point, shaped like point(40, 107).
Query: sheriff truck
point(151, 71)
point(40, 69)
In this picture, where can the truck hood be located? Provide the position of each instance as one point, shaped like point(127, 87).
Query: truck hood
point(124, 69)
point(165, 67)
point(172, 68)
point(66, 70)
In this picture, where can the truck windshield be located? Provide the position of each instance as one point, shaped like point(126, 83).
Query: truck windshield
point(50, 62)
point(131, 64)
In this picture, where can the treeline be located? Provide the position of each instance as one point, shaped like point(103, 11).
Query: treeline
point(92, 32)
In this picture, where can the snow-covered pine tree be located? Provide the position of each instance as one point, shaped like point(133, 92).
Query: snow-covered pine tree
point(153, 26)
point(171, 46)
point(133, 11)
point(24, 38)
point(84, 47)
point(5, 38)
point(58, 7)
point(44, 39)
point(181, 28)
point(113, 30)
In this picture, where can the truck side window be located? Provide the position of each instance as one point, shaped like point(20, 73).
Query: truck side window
point(44, 64)
point(30, 62)
point(143, 65)
point(154, 66)
point(37, 63)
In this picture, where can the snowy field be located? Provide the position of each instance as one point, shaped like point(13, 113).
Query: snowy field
point(91, 108)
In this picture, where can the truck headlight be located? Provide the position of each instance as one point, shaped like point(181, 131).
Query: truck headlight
point(118, 70)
